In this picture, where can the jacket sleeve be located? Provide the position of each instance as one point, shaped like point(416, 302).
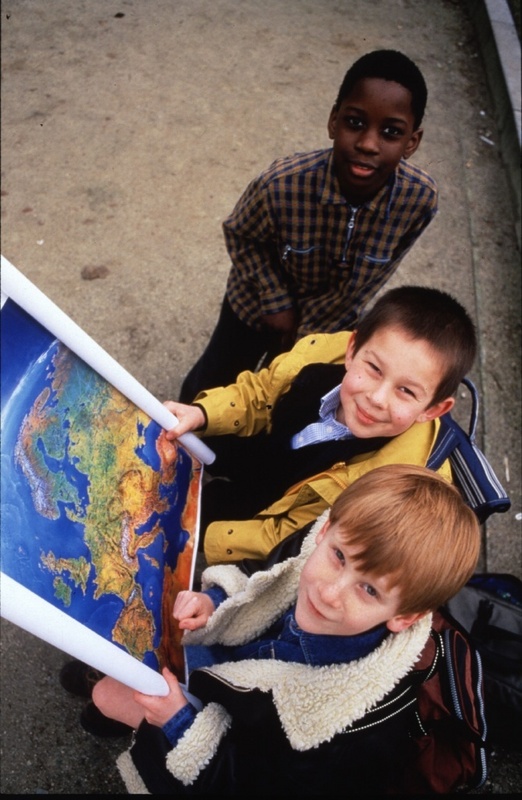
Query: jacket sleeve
point(245, 408)
point(190, 768)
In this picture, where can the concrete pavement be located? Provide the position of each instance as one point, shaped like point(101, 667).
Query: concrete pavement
point(129, 130)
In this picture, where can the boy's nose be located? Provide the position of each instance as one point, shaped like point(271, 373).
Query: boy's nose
point(329, 594)
point(378, 396)
point(368, 141)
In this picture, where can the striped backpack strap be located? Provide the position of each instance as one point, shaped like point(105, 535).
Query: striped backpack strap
point(472, 472)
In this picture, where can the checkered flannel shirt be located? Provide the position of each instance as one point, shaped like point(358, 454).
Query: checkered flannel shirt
point(294, 241)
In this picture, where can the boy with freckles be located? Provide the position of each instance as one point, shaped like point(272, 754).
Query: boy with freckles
point(334, 407)
point(308, 673)
point(314, 236)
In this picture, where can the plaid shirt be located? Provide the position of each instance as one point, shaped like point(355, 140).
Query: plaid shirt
point(294, 241)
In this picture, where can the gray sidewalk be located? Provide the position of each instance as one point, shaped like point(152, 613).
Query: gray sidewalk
point(129, 129)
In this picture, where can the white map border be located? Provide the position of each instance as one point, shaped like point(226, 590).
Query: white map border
point(18, 604)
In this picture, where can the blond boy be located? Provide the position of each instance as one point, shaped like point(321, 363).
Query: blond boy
point(308, 672)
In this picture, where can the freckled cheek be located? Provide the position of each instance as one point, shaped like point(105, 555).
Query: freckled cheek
point(402, 417)
point(352, 383)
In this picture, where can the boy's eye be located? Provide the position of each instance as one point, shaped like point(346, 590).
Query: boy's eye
point(405, 390)
point(339, 555)
point(353, 122)
point(373, 367)
point(392, 132)
point(370, 590)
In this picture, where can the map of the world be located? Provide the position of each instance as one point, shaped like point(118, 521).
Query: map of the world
point(98, 509)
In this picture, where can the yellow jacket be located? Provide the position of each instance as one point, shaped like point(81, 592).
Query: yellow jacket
point(244, 408)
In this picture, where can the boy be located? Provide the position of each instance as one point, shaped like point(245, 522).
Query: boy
point(314, 237)
point(308, 673)
point(333, 408)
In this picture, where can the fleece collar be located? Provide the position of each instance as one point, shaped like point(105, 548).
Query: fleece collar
point(313, 703)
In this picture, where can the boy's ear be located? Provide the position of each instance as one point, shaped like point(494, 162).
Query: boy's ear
point(413, 143)
point(437, 410)
point(332, 119)
point(403, 621)
point(320, 536)
point(349, 351)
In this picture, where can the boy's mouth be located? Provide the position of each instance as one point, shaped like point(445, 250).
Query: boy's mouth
point(313, 608)
point(360, 170)
point(365, 418)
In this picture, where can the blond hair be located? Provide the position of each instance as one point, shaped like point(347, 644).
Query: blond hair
point(410, 524)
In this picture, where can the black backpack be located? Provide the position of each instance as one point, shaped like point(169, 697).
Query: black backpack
point(489, 609)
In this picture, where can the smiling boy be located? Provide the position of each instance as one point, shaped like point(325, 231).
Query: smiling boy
point(315, 236)
point(308, 673)
point(334, 407)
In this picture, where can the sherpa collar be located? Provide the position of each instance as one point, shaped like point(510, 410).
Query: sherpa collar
point(313, 703)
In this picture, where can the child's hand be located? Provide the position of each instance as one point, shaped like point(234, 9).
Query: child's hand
point(192, 610)
point(158, 710)
point(284, 323)
point(191, 418)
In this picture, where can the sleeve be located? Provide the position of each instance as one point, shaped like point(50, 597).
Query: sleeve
point(179, 723)
point(245, 408)
point(255, 538)
point(216, 594)
point(419, 224)
point(196, 765)
point(251, 241)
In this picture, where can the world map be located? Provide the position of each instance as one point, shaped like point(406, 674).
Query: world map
point(99, 509)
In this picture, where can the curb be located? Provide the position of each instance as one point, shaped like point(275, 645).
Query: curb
point(500, 50)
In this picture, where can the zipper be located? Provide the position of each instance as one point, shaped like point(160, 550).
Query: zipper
point(349, 231)
point(288, 249)
point(382, 719)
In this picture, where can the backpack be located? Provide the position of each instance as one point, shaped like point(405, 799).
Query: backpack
point(489, 608)
point(448, 741)
point(472, 473)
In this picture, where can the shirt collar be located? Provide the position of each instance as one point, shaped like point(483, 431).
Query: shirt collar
point(330, 403)
point(322, 649)
point(331, 191)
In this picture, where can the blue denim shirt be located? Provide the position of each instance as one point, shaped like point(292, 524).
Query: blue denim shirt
point(284, 641)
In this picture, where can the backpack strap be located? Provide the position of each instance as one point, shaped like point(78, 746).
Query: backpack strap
point(472, 472)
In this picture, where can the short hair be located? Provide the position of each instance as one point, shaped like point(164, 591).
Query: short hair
point(409, 523)
point(434, 316)
point(391, 66)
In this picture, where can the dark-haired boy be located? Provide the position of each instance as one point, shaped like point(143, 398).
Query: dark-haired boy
point(334, 407)
point(315, 236)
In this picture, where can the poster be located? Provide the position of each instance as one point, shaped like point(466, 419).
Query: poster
point(99, 512)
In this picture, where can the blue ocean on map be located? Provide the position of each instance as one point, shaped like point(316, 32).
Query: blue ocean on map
point(93, 500)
